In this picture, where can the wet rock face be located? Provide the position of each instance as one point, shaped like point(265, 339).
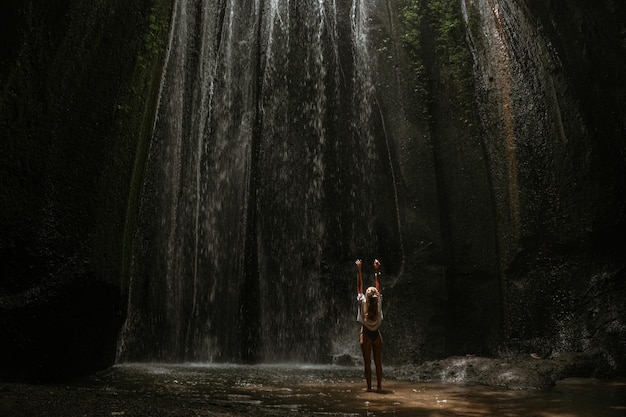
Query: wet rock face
point(68, 135)
point(548, 102)
point(520, 199)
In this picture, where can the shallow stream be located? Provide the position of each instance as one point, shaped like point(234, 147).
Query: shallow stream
point(296, 390)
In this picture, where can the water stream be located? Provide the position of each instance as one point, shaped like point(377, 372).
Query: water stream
point(297, 390)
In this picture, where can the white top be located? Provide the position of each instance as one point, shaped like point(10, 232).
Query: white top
point(360, 316)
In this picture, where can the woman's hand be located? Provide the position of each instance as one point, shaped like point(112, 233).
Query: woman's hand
point(358, 264)
point(376, 265)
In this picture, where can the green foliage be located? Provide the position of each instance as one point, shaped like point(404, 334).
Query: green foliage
point(154, 40)
point(455, 59)
point(439, 22)
point(410, 18)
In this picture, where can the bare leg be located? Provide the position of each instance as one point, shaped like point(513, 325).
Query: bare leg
point(366, 347)
point(377, 346)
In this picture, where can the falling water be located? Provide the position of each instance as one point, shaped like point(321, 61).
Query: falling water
point(261, 178)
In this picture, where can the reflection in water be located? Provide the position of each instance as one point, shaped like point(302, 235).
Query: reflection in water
point(296, 390)
point(338, 391)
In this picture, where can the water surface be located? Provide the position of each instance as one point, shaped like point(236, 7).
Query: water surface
point(296, 390)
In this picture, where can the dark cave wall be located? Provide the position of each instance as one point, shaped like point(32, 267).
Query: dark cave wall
point(77, 79)
point(510, 141)
point(555, 141)
point(590, 41)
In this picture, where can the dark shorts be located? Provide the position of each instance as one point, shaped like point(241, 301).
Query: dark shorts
point(371, 335)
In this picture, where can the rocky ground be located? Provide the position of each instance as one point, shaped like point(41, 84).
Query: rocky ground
point(521, 372)
point(440, 388)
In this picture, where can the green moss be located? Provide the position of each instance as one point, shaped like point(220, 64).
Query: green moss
point(439, 22)
point(453, 55)
point(410, 18)
point(141, 108)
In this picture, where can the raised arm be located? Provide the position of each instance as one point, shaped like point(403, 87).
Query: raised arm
point(359, 277)
point(377, 274)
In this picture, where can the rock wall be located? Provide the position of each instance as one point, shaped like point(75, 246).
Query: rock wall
point(556, 155)
point(508, 130)
point(76, 89)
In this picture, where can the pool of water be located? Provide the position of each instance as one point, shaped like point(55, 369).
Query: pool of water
point(295, 390)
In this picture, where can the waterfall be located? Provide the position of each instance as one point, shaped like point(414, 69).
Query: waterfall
point(261, 180)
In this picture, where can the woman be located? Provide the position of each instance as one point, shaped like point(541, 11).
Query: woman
point(370, 315)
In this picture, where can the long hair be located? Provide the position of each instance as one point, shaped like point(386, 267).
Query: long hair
point(371, 304)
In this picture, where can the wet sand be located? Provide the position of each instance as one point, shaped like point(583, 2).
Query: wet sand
point(290, 390)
